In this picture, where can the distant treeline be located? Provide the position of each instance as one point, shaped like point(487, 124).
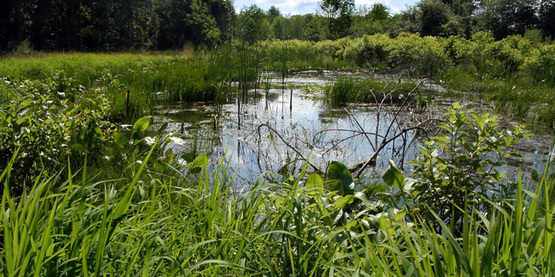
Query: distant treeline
point(124, 25)
point(108, 25)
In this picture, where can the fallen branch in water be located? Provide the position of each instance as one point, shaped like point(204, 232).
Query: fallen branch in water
point(288, 145)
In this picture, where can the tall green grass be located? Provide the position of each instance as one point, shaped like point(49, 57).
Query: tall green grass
point(354, 90)
point(150, 79)
point(197, 224)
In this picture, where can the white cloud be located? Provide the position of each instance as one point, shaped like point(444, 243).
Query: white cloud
point(290, 6)
point(371, 2)
point(293, 7)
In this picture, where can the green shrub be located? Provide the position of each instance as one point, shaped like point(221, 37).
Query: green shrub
point(45, 127)
point(459, 168)
point(369, 52)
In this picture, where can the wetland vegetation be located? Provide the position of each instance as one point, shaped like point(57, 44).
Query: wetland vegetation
point(372, 155)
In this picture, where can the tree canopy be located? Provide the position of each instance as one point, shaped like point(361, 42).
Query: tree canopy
point(107, 25)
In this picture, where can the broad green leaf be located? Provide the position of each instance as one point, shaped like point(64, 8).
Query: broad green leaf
point(343, 201)
point(314, 184)
point(340, 178)
point(198, 163)
point(120, 138)
point(141, 124)
point(393, 176)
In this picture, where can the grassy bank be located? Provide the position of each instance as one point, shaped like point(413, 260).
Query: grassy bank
point(195, 224)
point(353, 90)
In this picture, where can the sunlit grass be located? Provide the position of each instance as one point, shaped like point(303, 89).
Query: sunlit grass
point(196, 224)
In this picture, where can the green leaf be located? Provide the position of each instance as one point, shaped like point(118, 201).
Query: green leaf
point(393, 176)
point(198, 163)
point(386, 225)
point(163, 127)
point(21, 120)
point(340, 178)
point(535, 175)
point(343, 201)
point(121, 138)
point(141, 124)
point(374, 190)
point(314, 184)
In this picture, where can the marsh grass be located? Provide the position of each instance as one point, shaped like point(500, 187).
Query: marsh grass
point(149, 78)
point(146, 215)
point(479, 65)
point(354, 90)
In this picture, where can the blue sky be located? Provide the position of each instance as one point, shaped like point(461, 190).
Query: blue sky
point(310, 6)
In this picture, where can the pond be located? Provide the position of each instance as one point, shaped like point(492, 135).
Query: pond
point(280, 126)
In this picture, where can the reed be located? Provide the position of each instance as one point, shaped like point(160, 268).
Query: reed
point(354, 90)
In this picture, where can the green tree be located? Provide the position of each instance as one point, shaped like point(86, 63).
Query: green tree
point(106, 25)
point(279, 28)
point(507, 17)
point(15, 19)
point(273, 13)
point(339, 14)
point(252, 25)
point(547, 17)
point(429, 18)
point(370, 21)
point(316, 27)
point(378, 13)
point(433, 15)
point(202, 25)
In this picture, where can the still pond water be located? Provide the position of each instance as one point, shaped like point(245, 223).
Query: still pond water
point(286, 116)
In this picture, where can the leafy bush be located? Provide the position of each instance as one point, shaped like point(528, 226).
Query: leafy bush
point(421, 56)
point(42, 128)
point(458, 169)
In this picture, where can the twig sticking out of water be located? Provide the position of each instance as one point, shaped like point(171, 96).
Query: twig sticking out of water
point(386, 139)
point(288, 145)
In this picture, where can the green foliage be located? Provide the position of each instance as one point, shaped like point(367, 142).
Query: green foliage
point(339, 179)
point(347, 90)
point(114, 26)
point(430, 18)
point(194, 225)
point(460, 167)
point(505, 17)
point(514, 72)
point(43, 127)
point(339, 15)
point(252, 25)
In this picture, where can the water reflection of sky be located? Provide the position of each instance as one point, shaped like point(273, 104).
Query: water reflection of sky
point(316, 129)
